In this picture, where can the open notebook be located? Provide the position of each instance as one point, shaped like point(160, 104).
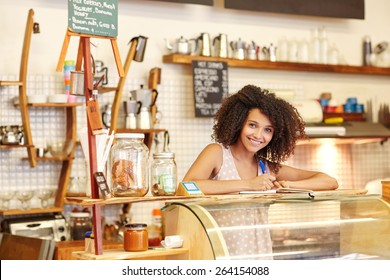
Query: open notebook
point(310, 193)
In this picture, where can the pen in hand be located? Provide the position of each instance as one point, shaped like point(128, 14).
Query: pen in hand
point(262, 166)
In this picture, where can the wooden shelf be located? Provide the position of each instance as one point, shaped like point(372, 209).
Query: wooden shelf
point(53, 158)
point(15, 146)
point(120, 254)
point(339, 140)
point(46, 104)
point(13, 212)
point(145, 131)
point(106, 89)
point(88, 202)
point(285, 66)
point(62, 105)
point(10, 83)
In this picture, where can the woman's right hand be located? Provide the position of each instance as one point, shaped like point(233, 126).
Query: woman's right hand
point(263, 182)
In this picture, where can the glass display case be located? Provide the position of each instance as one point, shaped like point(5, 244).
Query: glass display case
point(243, 227)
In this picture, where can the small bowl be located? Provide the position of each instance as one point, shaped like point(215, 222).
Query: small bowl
point(60, 149)
point(36, 99)
point(57, 98)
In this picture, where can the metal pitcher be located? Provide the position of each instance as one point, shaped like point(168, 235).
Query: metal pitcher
point(106, 115)
point(204, 41)
point(270, 52)
point(238, 48)
point(220, 44)
point(181, 46)
point(145, 96)
point(140, 49)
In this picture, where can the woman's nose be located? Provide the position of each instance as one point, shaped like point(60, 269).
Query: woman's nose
point(259, 133)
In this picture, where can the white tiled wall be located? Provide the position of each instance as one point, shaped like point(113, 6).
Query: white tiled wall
point(352, 165)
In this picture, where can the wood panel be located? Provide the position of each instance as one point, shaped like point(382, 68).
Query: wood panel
point(15, 247)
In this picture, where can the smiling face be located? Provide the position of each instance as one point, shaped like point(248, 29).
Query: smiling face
point(257, 131)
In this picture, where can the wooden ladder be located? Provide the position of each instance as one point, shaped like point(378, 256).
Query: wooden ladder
point(22, 84)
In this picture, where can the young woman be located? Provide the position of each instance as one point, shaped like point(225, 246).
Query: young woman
point(255, 133)
point(254, 130)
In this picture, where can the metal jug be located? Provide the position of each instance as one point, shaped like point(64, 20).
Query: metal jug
point(220, 44)
point(132, 107)
point(106, 115)
point(145, 96)
point(205, 49)
point(251, 51)
point(181, 46)
point(140, 48)
point(238, 48)
point(270, 52)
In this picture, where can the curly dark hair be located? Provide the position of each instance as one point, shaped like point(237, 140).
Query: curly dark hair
point(288, 124)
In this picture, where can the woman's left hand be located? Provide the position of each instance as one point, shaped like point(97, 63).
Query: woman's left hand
point(281, 184)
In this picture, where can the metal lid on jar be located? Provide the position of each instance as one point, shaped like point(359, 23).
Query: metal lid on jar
point(130, 135)
point(79, 214)
point(136, 226)
point(164, 155)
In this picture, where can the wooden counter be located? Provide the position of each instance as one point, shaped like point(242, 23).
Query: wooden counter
point(197, 243)
point(64, 249)
point(120, 254)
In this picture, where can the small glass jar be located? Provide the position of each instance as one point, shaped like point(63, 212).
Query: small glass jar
point(164, 174)
point(80, 223)
point(128, 169)
point(135, 238)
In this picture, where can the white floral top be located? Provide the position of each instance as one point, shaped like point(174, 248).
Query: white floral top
point(250, 242)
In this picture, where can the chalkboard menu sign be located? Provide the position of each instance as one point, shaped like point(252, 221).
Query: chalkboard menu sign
point(200, 2)
point(93, 17)
point(329, 8)
point(210, 86)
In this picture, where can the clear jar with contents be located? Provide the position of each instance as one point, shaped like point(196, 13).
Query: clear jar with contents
point(164, 174)
point(135, 238)
point(80, 223)
point(128, 167)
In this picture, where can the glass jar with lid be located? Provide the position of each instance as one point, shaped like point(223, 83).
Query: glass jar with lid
point(164, 174)
point(128, 166)
point(80, 223)
point(135, 238)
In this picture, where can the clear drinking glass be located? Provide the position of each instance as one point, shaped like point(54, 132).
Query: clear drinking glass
point(25, 196)
point(6, 197)
point(44, 195)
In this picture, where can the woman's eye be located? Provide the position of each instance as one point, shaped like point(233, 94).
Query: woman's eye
point(269, 130)
point(252, 125)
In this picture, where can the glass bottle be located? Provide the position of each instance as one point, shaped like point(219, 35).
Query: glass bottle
point(155, 228)
point(323, 46)
point(315, 47)
point(164, 174)
point(128, 169)
point(367, 50)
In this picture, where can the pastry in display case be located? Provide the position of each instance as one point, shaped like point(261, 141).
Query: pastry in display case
point(288, 227)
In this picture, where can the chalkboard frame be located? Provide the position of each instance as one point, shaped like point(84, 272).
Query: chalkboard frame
point(351, 9)
point(198, 2)
point(209, 91)
point(93, 17)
